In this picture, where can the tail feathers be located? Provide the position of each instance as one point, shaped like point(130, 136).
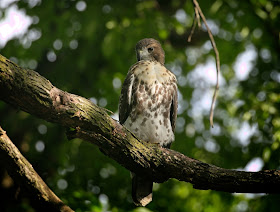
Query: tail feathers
point(142, 189)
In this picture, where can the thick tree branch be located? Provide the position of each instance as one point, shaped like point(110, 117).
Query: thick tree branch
point(24, 174)
point(34, 94)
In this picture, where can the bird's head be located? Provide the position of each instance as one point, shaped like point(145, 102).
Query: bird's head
point(149, 49)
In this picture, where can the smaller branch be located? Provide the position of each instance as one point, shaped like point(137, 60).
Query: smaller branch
point(192, 30)
point(198, 11)
point(197, 17)
point(23, 173)
point(196, 20)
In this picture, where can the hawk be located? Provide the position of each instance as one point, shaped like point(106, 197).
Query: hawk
point(148, 106)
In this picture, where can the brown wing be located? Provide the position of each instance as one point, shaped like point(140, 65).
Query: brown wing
point(125, 98)
point(174, 107)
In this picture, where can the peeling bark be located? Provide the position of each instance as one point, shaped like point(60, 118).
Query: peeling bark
point(34, 94)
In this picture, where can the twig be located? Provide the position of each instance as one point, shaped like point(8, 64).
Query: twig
point(193, 28)
point(196, 20)
point(197, 17)
point(198, 10)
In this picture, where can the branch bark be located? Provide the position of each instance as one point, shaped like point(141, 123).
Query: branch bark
point(24, 174)
point(34, 94)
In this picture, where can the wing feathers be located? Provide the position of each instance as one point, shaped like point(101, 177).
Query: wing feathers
point(125, 98)
point(173, 109)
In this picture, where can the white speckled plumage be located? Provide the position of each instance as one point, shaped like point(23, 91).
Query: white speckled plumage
point(148, 106)
point(152, 124)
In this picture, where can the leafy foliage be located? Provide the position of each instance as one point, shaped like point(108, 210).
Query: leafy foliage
point(87, 47)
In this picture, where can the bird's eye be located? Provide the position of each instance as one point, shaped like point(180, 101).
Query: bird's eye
point(150, 49)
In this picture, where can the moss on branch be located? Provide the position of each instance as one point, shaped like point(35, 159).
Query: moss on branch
point(27, 90)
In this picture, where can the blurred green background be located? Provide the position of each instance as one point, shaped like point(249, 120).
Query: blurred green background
point(86, 48)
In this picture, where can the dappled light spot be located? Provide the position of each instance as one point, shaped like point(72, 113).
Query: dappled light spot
point(182, 17)
point(126, 22)
point(190, 130)
point(201, 102)
point(244, 32)
point(275, 76)
point(87, 202)
point(7, 181)
point(206, 47)
point(261, 96)
point(73, 44)
point(175, 68)
point(62, 184)
point(238, 37)
point(33, 3)
point(95, 189)
point(93, 100)
point(117, 83)
point(40, 146)
point(229, 18)
point(182, 106)
point(24, 147)
point(107, 171)
point(6, 3)
point(81, 6)
point(204, 75)
point(242, 206)
point(206, 134)
point(199, 142)
point(14, 25)
point(182, 81)
point(51, 56)
point(106, 8)
point(240, 13)
point(104, 173)
point(110, 24)
point(61, 171)
point(192, 55)
point(212, 25)
point(35, 19)
point(245, 62)
point(34, 34)
point(180, 124)
point(265, 55)
point(102, 102)
point(211, 146)
point(70, 168)
point(42, 129)
point(254, 165)
point(76, 26)
point(225, 35)
point(244, 133)
point(216, 130)
point(103, 199)
point(32, 64)
point(257, 33)
point(57, 44)
point(14, 59)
